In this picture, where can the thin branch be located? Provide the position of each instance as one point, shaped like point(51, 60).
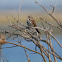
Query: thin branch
point(4, 57)
point(27, 56)
point(53, 9)
point(24, 47)
point(55, 39)
point(48, 13)
point(54, 25)
point(52, 49)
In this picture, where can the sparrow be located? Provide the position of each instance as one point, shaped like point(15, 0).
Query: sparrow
point(32, 23)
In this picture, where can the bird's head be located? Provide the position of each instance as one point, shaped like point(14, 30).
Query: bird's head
point(30, 18)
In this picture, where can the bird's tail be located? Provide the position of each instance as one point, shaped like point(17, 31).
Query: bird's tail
point(38, 31)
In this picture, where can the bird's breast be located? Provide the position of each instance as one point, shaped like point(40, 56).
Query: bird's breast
point(29, 23)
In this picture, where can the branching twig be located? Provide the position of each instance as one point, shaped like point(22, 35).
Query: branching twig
point(49, 13)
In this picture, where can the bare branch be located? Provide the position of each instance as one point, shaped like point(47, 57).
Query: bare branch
point(48, 13)
point(53, 9)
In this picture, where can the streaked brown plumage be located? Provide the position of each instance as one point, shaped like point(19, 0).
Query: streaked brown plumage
point(32, 23)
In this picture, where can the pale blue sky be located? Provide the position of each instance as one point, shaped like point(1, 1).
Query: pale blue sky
point(14, 4)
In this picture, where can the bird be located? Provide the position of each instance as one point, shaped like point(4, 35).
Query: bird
point(32, 23)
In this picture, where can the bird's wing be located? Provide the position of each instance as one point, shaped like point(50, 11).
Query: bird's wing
point(34, 23)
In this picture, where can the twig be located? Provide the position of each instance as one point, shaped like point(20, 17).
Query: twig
point(55, 39)
point(48, 13)
point(4, 56)
point(27, 56)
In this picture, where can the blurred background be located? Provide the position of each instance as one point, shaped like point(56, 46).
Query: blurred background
point(28, 4)
point(29, 7)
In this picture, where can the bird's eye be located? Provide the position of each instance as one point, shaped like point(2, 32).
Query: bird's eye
point(29, 19)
